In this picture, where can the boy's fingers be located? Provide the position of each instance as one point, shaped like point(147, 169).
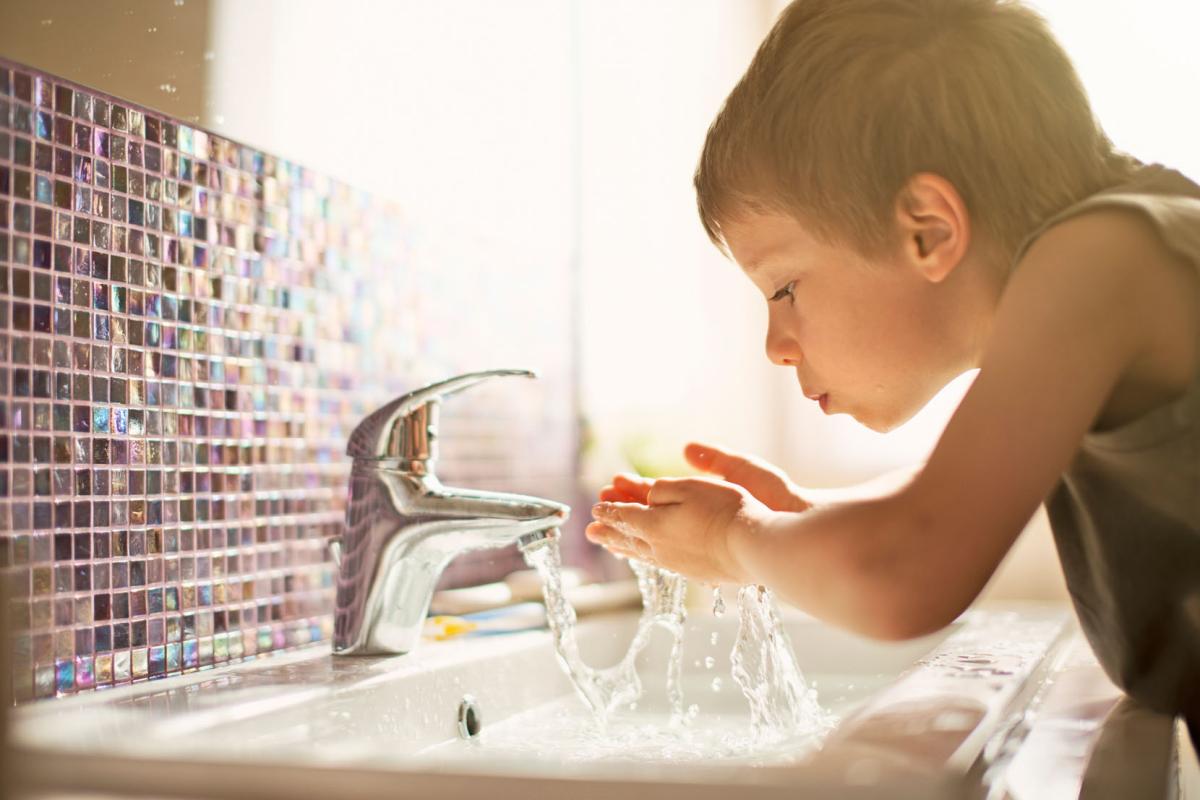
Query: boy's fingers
point(626, 488)
point(732, 467)
point(631, 480)
point(667, 491)
point(627, 518)
point(634, 486)
point(701, 456)
point(617, 542)
point(615, 495)
point(596, 532)
point(746, 471)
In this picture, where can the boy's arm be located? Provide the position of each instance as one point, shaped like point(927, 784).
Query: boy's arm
point(1095, 298)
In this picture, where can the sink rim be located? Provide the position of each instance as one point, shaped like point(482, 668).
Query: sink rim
point(823, 768)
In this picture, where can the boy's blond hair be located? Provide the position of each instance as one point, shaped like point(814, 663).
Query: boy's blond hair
point(847, 99)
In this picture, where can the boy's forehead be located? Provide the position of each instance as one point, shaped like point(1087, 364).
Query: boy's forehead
point(756, 240)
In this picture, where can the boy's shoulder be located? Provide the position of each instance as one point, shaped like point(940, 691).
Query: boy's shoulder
point(1127, 259)
point(1098, 324)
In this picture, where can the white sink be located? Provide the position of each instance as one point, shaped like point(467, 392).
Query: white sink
point(936, 716)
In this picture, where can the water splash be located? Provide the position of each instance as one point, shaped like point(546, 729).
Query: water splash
point(782, 704)
point(718, 604)
point(605, 690)
point(765, 669)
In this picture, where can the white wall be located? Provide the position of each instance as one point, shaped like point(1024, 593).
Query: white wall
point(461, 111)
point(1141, 68)
point(672, 333)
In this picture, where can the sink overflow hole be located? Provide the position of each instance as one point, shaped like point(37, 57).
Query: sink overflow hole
point(470, 720)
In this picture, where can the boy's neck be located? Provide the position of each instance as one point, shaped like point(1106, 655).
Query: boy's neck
point(979, 284)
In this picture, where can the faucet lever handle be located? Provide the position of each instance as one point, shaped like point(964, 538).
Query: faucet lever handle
point(406, 427)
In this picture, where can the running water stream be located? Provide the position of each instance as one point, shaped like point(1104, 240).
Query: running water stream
point(782, 704)
point(605, 690)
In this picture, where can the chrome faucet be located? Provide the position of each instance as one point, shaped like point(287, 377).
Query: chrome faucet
point(403, 526)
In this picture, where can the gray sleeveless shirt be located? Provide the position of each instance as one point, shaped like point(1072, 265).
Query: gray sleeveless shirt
point(1126, 513)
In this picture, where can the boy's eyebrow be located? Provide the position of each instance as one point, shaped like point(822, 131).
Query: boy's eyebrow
point(756, 262)
point(761, 259)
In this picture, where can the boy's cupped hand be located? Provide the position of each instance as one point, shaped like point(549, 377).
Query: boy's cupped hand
point(693, 525)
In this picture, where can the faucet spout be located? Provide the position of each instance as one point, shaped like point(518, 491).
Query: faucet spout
point(403, 527)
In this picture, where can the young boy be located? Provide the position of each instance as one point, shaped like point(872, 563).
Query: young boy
point(917, 188)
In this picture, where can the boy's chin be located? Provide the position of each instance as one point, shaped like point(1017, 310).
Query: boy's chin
point(877, 425)
point(884, 420)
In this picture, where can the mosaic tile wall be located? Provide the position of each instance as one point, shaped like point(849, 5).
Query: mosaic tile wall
point(189, 330)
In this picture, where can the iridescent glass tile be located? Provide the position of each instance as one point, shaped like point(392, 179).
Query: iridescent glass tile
point(188, 328)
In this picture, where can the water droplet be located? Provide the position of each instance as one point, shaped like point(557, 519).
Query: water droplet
point(709, 662)
point(209, 55)
point(152, 29)
point(713, 639)
point(716, 684)
point(718, 602)
point(168, 88)
point(47, 23)
point(178, 2)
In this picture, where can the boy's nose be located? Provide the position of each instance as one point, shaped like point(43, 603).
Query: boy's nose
point(783, 349)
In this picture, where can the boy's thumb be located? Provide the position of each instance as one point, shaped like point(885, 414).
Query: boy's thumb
point(733, 467)
point(700, 456)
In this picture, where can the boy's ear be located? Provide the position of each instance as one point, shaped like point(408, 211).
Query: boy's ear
point(934, 225)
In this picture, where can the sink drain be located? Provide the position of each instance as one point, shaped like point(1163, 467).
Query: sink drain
point(470, 720)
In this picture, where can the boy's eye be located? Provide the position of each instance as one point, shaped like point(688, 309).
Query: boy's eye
point(784, 292)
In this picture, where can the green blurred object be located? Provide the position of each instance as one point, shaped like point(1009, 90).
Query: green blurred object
point(587, 437)
point(651, 457)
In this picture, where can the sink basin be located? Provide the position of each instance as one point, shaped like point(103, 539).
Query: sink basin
point(934, 716)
